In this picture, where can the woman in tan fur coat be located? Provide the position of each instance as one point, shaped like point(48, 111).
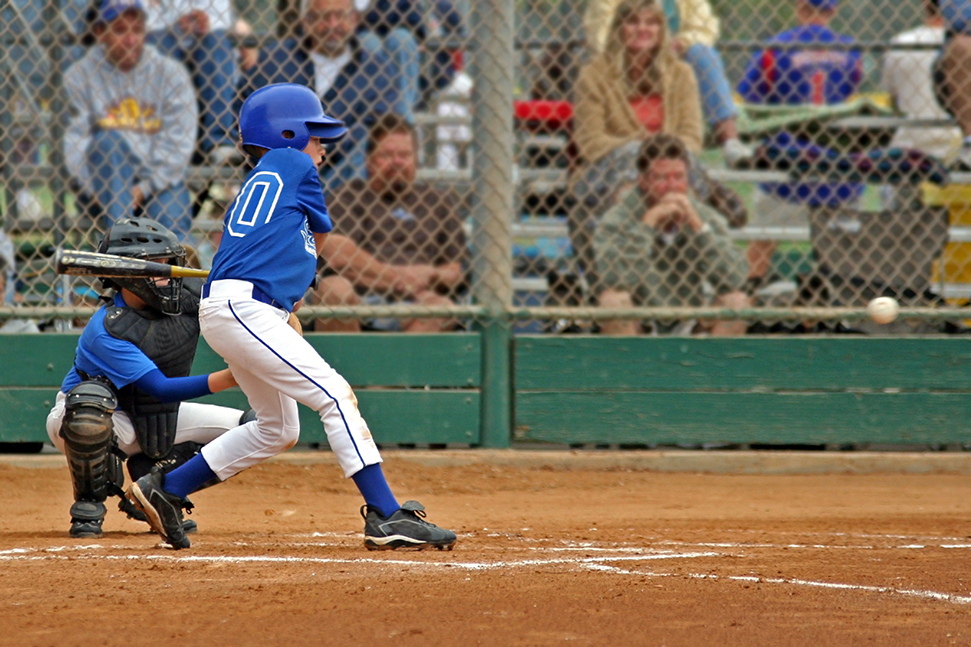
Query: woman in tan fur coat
point(637, 87)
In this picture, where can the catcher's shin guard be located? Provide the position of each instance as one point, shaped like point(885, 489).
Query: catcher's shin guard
point(87, 430)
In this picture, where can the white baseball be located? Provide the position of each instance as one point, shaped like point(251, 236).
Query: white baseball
point(883, 310)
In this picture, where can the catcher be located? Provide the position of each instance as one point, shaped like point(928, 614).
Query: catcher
point(124, 396)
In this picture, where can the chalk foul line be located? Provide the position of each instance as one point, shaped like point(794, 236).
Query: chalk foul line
point(927, 595)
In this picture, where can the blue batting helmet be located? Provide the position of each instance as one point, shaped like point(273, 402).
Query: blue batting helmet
point(286, 115)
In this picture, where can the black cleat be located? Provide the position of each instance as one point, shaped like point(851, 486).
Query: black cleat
point(86, 529)
point(163, 510)
point(406, 528)
point(188, 525)
point(86, 519)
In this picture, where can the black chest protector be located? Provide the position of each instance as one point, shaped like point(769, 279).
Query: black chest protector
point(170, 342)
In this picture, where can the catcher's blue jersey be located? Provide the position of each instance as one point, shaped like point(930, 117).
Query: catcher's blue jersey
point(100, 354)
point(268, 230)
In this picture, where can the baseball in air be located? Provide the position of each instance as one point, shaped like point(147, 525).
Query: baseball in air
point(883, 310)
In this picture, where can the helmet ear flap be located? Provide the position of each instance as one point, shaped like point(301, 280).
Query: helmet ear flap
point(297, 135)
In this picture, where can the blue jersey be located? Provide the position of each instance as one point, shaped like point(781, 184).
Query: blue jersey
point(100, 354)
point(818, 77)
point(268, 231)
point(815, 77)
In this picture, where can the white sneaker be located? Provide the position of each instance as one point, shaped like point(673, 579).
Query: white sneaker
point(737, 153)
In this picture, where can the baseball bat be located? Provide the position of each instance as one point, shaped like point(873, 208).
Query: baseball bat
point(76, 263)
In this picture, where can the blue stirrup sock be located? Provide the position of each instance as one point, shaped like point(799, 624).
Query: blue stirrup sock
point(375, 490)
point(188, 477)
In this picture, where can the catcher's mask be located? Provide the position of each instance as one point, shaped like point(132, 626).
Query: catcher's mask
point(146, 239)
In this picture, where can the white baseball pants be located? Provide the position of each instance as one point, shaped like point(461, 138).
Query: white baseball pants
point(276, 368)
point(198, 423)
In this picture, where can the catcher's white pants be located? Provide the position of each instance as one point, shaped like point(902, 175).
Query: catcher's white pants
point(198, 423)
point(276, 368)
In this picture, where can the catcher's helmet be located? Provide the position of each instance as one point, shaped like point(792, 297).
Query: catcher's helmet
point(147, 239)
point(286, 115)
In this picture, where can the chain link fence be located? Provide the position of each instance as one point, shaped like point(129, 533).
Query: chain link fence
point(496, 164)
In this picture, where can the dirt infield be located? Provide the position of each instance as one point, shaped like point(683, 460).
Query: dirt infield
point(546, 555)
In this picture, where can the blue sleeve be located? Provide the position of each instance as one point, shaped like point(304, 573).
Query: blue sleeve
point(173, 389)
point(310, 197)
point(121, 361)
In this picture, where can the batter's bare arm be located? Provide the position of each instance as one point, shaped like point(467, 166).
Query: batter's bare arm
point(221, 380)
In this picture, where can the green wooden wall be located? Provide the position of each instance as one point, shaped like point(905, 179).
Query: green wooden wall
point(784, 390)
point(578, 389)
point(410, 388)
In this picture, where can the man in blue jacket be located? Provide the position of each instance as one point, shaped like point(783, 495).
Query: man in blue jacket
point(799, 77)
point(354, 78)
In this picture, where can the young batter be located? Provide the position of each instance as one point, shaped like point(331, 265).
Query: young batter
point(273, 233)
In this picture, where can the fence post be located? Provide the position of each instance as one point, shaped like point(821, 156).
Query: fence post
point(492, 71)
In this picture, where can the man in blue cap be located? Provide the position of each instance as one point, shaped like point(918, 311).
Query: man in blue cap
point(799, 77)
point(133, 124)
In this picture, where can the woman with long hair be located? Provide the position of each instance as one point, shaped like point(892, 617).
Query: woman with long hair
point(636, 88)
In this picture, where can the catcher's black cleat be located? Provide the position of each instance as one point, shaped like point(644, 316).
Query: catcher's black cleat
point(86, 519)
point(188, 525)
point(406, 528)
point(163, 510)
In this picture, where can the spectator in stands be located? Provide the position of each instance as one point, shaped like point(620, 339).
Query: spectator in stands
point(357, 84)
point(395, 238)
point(195, 32)
point(793, 77)
point(952, 71)
point(694, 28)
point(11, 326)
point(659, 246)
point(402, 31)
point(907, 77)
point(637, 87)
point(133, 123)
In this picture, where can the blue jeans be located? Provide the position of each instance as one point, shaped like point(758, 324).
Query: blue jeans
point(113, 167)
point(402, 48)
point(212, 64)
point(716, 93)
